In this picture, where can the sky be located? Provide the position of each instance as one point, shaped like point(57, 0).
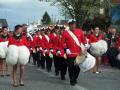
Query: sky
point(23, 11)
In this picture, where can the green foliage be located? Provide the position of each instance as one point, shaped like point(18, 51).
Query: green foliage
point(46, 20)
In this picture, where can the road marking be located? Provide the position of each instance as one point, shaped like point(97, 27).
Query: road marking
point(76, 87)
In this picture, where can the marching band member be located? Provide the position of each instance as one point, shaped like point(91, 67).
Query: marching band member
point(55, 42)
point(60, 53)
point(17, 41)
point(95, 37)
point(3, 38)
point(47, 46)
point(73, 38)
point(40, 48)
point(34, 54)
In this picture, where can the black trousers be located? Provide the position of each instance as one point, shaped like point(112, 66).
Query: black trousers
point(48, 63)
point(34, 58)
point(57, 64)
point(42, 61)
point(63, 66)
point(38, 58)
point(73, 70)
point(112, 56)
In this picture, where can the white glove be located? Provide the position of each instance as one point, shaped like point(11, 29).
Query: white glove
point(51, 55)
point(31, 48)
point(37, 49)
point(45, 50)
point(82, 47)
point(34, 51)
point(68, 51)
point(41, 48)
point(87, 46)
point(58, 53)
point(51, 50)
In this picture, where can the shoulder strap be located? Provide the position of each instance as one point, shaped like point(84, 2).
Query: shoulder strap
point(48, 39)
point(76, 39)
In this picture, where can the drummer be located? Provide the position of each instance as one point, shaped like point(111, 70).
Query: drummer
point(73, 49)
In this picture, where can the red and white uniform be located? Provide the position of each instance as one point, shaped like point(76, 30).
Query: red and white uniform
point(93, 38)
point(18, 42)
point(46, 42)
point(54, 41)
point(71, 44)
point(61, 46)
point(4, 39)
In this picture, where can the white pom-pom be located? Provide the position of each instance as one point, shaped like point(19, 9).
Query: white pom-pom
point(12, 55)
point(88, 64)
point(24, 54)
point(99, 48)
point(2, 52)
point(4, 46)
point(118, 57)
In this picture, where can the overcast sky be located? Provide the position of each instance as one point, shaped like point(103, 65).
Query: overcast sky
point(22, 11)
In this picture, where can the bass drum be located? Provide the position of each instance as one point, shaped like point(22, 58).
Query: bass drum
point(24, 55)
point(88, 64)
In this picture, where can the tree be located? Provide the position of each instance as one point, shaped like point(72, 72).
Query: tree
point(46, 20)
point(78, 9)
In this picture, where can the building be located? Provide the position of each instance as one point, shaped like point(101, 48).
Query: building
point(3, 22)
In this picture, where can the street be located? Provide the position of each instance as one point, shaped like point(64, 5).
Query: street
point(37, 79)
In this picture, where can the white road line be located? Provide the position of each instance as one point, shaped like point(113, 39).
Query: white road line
point(76, 87)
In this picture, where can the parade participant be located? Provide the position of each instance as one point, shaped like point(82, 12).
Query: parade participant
point(18, 53)
point(30, 46)
point(3, 38)
point(113, 50)
point(47, 46)
point(72, 37)
point(35, 36)
point(39, 47)
point(95, 37)
point(24, 29)
point(55, 43)
point(62, 64)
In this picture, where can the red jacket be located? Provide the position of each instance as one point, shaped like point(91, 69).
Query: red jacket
point(39, 41)
point(35, 40)
point(61, 47)
point(30, 44)
point(46, 43)
point(54, 41)
point(18, 42)
point(93, 38)
point(71, 44)
point(3, 39)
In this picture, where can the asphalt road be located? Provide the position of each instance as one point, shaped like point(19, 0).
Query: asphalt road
point(37, 79)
